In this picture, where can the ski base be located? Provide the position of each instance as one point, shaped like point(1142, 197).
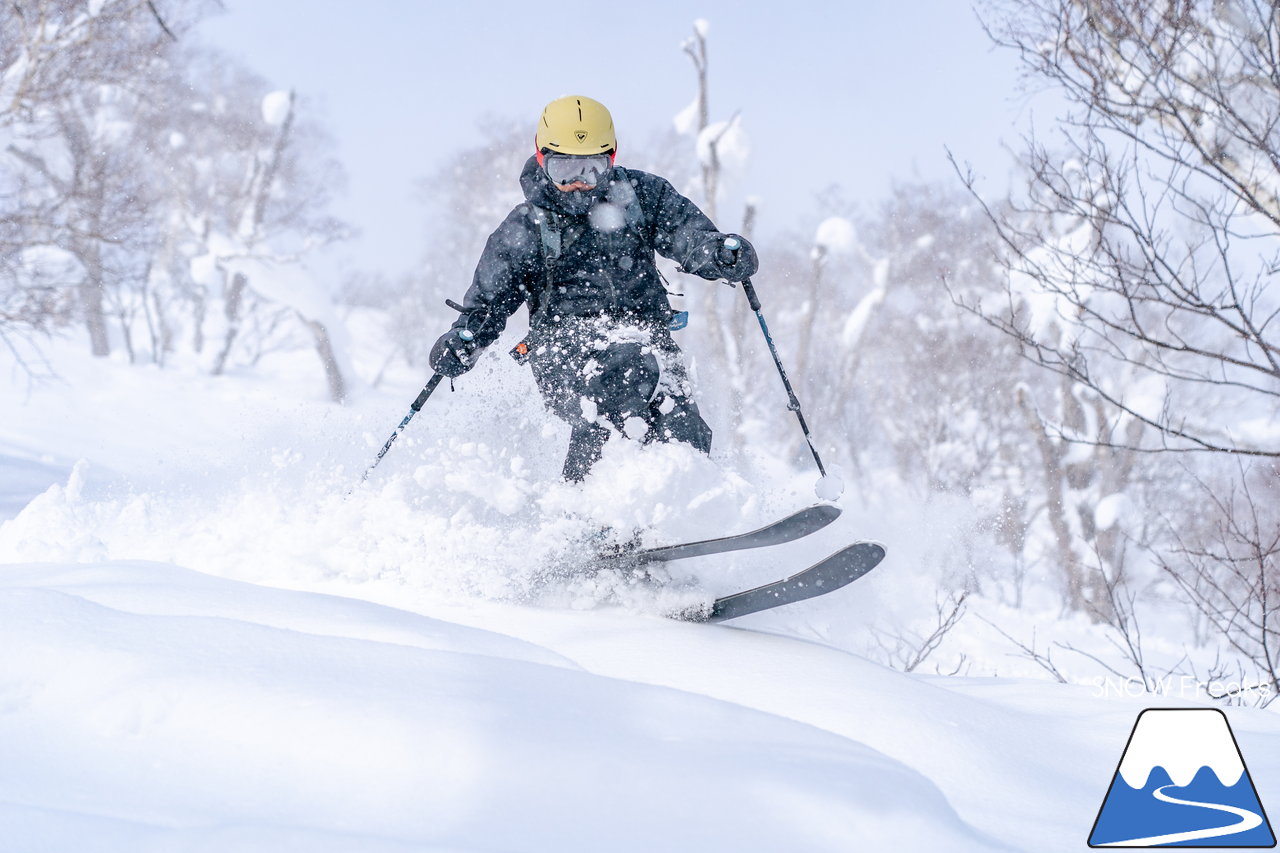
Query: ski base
point(840, 569)
point(795, 526)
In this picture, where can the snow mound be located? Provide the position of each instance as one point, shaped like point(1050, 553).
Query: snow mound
point(148, 706)
point(686, 121)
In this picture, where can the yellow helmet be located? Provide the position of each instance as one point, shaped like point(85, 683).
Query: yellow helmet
point(576, 125)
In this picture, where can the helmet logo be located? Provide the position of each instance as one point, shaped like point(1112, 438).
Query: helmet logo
point(581, 134)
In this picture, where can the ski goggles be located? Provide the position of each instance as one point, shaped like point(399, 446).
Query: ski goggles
point(564, 169)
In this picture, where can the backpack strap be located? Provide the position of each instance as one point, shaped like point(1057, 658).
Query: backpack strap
point(549, 230)
point(550, 244)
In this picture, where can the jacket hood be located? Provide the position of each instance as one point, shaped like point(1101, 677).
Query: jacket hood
point(539, 190)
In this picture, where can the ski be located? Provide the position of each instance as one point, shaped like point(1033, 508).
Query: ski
point(840, 569)
point(795, 526)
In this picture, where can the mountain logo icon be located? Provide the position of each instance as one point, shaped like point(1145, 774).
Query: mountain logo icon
point(1182, 782)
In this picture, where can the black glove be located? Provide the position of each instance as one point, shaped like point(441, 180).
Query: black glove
point(453, 355)
point(736, 264)
point(711, 259)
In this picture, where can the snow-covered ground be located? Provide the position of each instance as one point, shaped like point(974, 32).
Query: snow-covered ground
point(210, 641)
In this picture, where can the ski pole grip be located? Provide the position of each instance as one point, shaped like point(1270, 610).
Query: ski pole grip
point(733, 244)
point(728, 252)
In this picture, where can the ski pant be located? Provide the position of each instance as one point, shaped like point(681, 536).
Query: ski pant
point(598, 383)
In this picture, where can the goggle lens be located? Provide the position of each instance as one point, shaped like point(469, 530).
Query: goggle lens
point(566, 169)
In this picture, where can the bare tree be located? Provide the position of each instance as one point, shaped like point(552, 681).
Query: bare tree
point(101, 204)
point(695, 47)
point(52, 47)
point(1140, 255)
point(1229, 568)
point(70, 76)
point(33, 300)
point(245, 183)
point(907, 649)
point(723, 314)
point(1138, 265)
point(249, 216)
point(56, 53)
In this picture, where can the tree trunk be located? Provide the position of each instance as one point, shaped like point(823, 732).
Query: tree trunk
point(235, 295)
point(164, 332)
point(324, 347)
point(1055, 507)
point(198, 306)
point(91, 299)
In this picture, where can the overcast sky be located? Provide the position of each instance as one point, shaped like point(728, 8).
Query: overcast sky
point(851, 93)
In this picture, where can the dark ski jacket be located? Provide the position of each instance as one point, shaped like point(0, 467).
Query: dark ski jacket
point(587, 256)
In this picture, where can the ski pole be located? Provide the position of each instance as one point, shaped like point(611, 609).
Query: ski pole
point(414, 408)
point(829, 486)
point(465, 334)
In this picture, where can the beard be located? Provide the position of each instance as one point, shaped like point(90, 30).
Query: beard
point(578, 202)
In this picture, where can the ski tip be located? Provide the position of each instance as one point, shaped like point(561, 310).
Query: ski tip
point(864, 553)
point(875, 551)
point(827, 512)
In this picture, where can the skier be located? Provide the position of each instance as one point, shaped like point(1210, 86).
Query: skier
point(580, 253)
